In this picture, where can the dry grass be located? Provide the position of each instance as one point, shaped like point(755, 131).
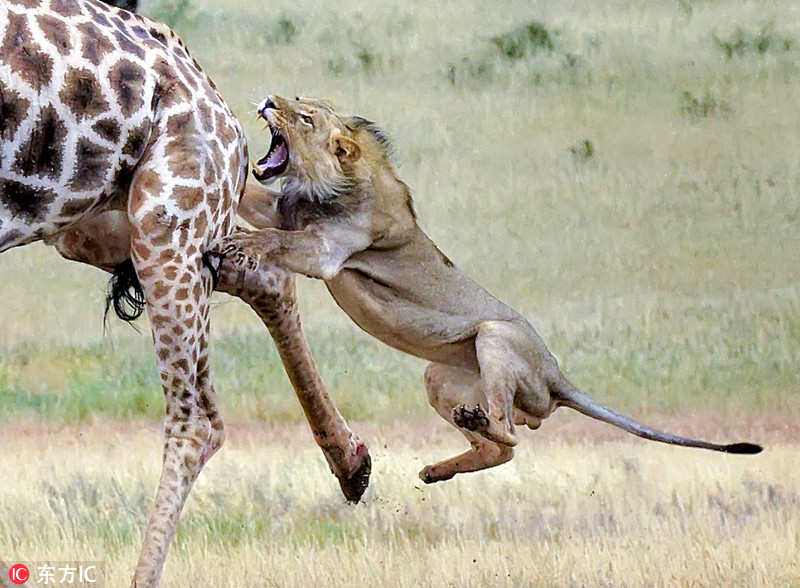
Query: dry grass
point(267, 513)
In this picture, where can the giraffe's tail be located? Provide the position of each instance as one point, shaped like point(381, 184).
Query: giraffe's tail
point(125, 294)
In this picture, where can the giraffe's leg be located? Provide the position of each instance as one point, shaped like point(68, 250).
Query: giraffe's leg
point(104, 241)
point(448, 388)
point(177, 286)
point(270, 292)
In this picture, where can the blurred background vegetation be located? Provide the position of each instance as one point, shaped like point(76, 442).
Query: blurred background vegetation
point(626, 174)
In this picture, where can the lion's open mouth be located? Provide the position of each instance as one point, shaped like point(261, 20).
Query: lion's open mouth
point(275, 161)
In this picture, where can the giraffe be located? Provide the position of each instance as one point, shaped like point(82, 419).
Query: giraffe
point(116, 149)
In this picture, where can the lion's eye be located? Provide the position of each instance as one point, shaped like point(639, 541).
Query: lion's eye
point(307, 119)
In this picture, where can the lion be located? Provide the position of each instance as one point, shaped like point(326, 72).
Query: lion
point(346, 218)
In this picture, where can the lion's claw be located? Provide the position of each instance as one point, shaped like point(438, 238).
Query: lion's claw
point(242, 248)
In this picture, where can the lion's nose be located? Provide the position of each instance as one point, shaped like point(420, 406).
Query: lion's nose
point(269, 103)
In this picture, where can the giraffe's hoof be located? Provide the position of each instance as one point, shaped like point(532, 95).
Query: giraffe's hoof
point(471, 419)
point(354, 486)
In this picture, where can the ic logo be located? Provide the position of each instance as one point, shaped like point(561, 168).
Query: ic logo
point(19, 574)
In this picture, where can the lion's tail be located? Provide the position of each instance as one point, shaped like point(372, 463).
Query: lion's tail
point(567, 395)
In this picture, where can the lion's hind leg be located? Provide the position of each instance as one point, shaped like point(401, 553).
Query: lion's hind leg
point(450, 388)
point(502, 368)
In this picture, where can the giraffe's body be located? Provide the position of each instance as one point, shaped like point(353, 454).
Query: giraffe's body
point(115, 145)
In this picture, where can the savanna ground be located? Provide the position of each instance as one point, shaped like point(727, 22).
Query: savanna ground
point(626, 174)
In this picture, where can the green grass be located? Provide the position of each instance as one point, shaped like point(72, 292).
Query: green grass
point(625, 174)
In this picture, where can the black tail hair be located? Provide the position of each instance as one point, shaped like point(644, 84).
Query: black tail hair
point(125, 293)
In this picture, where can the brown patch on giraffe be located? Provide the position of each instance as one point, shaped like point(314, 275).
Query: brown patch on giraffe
point(169, 89)
point(170, 272)
point(182, 149)
point(101, 20)
point(158, 234)
point(182, 364)
point(92, 166)
point(127, 44)
point(76, 207)
point(200, 226)
point(181, 125)
point(108, 129)
point(166, 255)
point(121, 187)
point(158, 36)
point(188, 198)
point(56, 33)
point(226, 133)
point(83, 94)
point(182, 163)
point(94, 43)
point(43, 153)
point(147, 183)
point(136, 142)
point(208, 176)
point(92, 10)
point(160, 289)
point(24, 55)
point(127, 81)
point(204, 116)
point(190, 77)
point(65, 7)
point(26, 3)
point(32, 205)
point(141, 251)
point(13, 110)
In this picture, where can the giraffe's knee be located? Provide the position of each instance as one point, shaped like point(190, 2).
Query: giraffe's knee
point(197, 440)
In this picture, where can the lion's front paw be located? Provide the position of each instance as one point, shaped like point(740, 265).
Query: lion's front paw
point(244, 248)
point(471, 419)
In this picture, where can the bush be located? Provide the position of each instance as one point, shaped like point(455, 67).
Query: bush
point(583, 151)
point(694, 108)
point(282, 31)
point(519, 43)
point(522, 41)
point(742, 43)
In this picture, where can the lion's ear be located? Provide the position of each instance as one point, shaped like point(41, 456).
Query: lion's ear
point(346, 149)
